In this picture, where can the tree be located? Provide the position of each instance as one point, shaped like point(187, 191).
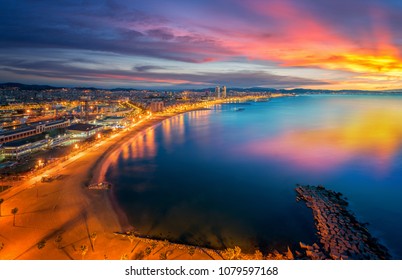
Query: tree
point(58, 240)
point(1, 202)
point(93, 238)
point(153, 244)
point(232, 254)
point(148, 251)
point(163, 256)
point(41, 244)
point(14, 211)
point(166, 243)
point(84, 250)
point(191, 250)
point(258, 255)
point(131, 236)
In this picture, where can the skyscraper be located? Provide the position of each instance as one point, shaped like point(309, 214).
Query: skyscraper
point(218, 91)
point(224, 92)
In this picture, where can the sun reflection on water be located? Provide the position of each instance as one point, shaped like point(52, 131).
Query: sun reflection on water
point(372, 132)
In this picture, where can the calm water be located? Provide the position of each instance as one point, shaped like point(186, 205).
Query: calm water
point(224, 177)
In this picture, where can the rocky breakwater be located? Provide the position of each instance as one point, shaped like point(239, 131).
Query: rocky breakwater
point(341, 236)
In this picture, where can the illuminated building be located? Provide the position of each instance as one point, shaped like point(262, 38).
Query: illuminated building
point(31, 130)
point(83, 130)
point(218, 91)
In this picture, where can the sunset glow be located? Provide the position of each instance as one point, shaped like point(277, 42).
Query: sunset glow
point(278, 44)
point(375, 133)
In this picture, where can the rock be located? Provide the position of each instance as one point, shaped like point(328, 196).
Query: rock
point(289, 254)
point(303, 246)
point(341, 235)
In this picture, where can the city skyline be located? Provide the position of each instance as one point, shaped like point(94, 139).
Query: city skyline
point(201, 44)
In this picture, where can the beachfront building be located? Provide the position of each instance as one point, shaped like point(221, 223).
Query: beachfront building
point(224, 92)
point(112, 122)
point(119, 112)
point(156, 106)
point(218, 92)
point(82, 131)
point(24, 147)
point(31, 130)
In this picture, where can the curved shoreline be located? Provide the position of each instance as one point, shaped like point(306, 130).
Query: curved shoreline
point(98, 170)
point(65, 209)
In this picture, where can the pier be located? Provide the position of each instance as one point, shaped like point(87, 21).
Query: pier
point(340, 235)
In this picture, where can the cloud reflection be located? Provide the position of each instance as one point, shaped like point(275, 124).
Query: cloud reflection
point(371, 135)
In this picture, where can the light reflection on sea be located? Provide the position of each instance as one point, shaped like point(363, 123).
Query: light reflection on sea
point(373, 133)
point(223, 177)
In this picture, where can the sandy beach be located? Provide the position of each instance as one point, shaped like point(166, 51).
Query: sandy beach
point(63, 219)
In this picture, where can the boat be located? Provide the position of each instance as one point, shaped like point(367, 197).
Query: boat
point(100, 186)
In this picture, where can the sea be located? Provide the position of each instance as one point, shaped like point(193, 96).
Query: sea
point(225, 176)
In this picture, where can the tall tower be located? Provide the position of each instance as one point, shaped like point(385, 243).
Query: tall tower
point(218, 91)
point(85, 106)
point(224, 92)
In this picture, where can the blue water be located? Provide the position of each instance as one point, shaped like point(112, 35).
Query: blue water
point(225, 177)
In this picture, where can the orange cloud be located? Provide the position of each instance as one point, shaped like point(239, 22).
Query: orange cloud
point(301, 39)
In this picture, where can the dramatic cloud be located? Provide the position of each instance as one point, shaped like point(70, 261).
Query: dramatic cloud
point(361, 39)
point(148, 73)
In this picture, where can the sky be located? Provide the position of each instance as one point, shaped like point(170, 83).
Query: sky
point(313, 44)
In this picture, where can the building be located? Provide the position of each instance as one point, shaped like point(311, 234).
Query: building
point(119, 113)
point(82, 131)
point(224, 92)
point(113, 122)
point(59, 140)
point(23, 147)
point(31, 130)
point(157, 106)
point(218, 91)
